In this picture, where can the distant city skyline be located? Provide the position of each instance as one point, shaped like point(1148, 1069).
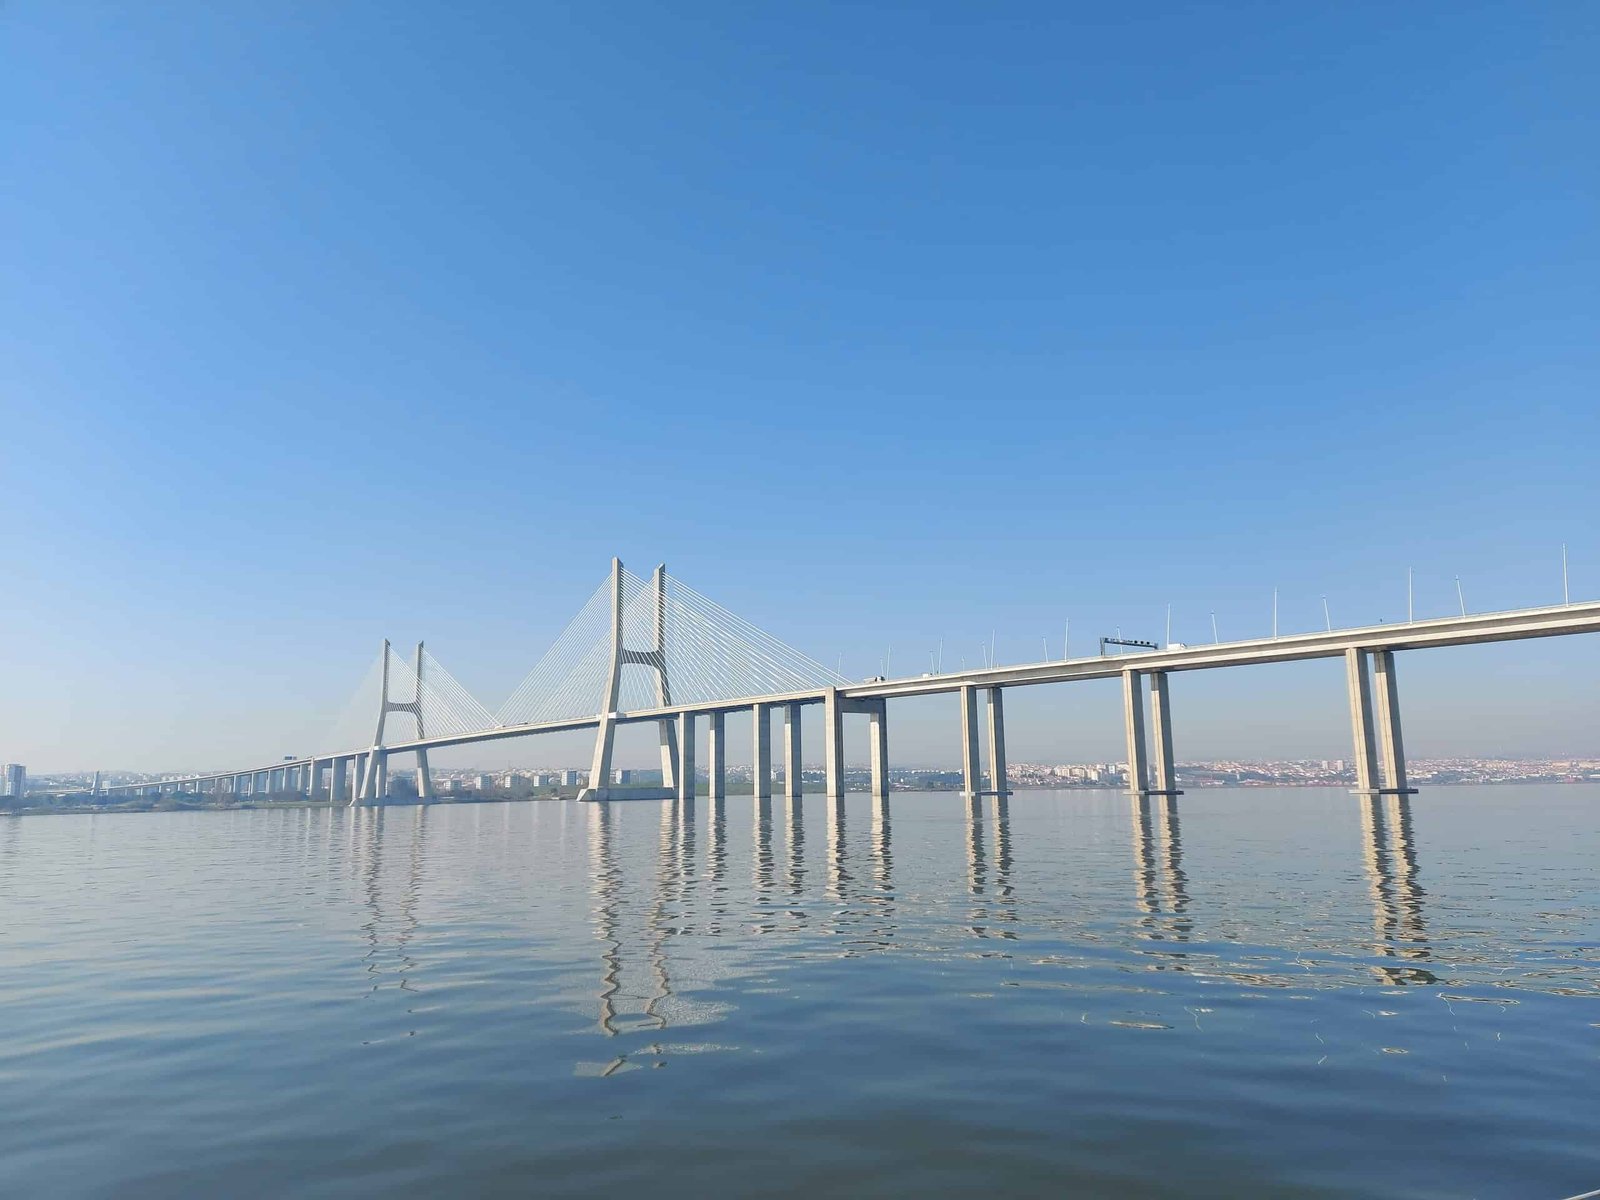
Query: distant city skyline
point(883, 332)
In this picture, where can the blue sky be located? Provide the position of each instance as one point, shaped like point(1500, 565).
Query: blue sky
point(880, 324)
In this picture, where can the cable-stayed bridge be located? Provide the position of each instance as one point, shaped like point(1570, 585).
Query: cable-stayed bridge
point(657, 651)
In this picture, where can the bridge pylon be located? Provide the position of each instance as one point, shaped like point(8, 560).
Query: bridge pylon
point(374, 781)
point(600, 787)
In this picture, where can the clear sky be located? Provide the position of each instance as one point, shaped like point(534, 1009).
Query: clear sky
point(880, 324)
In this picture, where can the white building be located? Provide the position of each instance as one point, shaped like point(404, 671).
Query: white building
point(13, 779)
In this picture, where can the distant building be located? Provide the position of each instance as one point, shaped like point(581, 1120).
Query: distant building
point(621, 775)
point(452, 785)
point(571, 778)
point(482, 783)
point(13, 780)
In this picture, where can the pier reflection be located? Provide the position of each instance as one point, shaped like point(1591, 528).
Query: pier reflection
point(632, 936)
point(882, 849)
point(1390, 859)
point(989, 882)
point(1160, 884)
point(391, 924)
point(795, 836)
point(671, 910)
point(838, 852)
point(761, 861)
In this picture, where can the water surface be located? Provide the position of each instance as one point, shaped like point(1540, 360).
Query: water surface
point(1277, 992)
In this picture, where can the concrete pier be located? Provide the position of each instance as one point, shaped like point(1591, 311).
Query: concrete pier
point(716, 756)
point(1133, 726)
point(1166, 781)
point(878, 745)
point(971, 764)
point(1140, 781)
point(791, 750)
point(998, 783)
point(1368, 672)
point(337, 770)
point(761, 751)
point(425, 791)
point(1366, 761)
point(686, 765)
point(833, 740)
point(1390, 743)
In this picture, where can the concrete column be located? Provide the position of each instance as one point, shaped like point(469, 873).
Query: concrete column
point(668, 732)
point(997, 744)
point(1355, 662)
point(1389, 740)
point(336, 780)
point(717, 755)
point(668, 729)
point(833, 741)
point(791, 750)
point(1133, 720)
point(761, 759)
point(358, 778)
point(600, 769)
point(971, 780)
point(382, 758)
point(685, 756)
point(1161, 720)
point(425, 791)
point(878, 740)
point(606, 729)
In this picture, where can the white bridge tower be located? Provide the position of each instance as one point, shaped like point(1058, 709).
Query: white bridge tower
point(600, 785)
point(374, 782)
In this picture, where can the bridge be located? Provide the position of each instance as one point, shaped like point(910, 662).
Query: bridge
point(656, 651)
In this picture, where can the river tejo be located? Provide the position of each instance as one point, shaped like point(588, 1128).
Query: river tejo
point(1278, 992)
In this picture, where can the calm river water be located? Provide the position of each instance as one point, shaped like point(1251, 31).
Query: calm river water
point(1280, 993)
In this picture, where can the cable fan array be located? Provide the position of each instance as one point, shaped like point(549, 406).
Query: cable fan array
point(447, 707)
point(709, 654)
point(700, 653)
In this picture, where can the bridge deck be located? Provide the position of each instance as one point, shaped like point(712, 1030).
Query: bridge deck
point(1513, 625)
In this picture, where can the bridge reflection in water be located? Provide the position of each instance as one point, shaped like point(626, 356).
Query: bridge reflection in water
point(989, 883)
point(1390, 857)
point(1160, 887)
point(676, 905)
